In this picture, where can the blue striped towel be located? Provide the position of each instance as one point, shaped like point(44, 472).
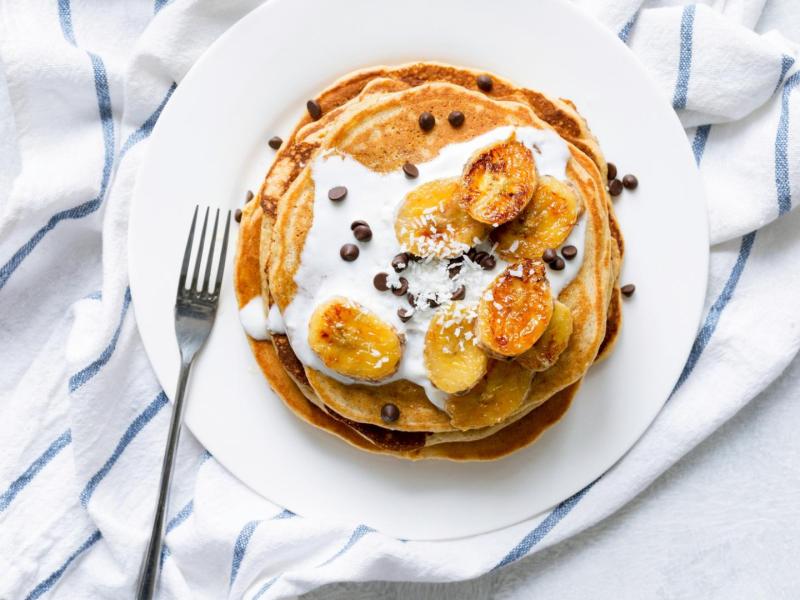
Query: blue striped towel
point(84, 418)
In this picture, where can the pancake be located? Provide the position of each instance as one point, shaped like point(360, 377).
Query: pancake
point(389, 99)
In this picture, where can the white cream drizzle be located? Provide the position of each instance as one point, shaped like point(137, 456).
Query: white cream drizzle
point(375, 197)
point(254, 320)
point(275, 322)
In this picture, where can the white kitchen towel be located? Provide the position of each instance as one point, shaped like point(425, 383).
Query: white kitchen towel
point(83, 418)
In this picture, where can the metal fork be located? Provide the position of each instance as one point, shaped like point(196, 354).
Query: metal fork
point(195, 309)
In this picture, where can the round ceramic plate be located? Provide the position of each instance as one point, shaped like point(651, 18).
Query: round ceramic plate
point(210, 147)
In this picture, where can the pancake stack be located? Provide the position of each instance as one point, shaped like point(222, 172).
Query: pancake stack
point(435, 257)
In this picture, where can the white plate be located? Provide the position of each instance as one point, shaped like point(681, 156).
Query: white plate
point(210, 147)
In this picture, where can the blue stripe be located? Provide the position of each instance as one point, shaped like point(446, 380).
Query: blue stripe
point(165, 554)
point(714, 313)
point(159, 4)
point(264, 588)
point(182, 515)
point(48, 583)
point(146, 128)
point(20, 482)
point(87, 373)
point(179, 518)
point(76, 212)
point(625, 33)
point(107, 121)
point(133, 430)
point(782, 182)
point(65, 18)
point(543, 528)
point(685, 61)
point(358, 533)
point(284, 514)
point(699, 142)
point(240, 548)
point(786, 64)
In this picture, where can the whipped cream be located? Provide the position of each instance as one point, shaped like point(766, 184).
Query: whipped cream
point(258, 325)
point(254, 320)
point(375, 198)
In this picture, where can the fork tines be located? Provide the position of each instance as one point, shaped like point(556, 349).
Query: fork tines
point(204, 290)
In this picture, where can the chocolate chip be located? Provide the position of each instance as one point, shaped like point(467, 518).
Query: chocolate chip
point(558, 264)
point(485, 83)
point(363, 233)
point(349, 252)
point(612, 171)
point(433, 302)
point(488, 262)
point(400, 262)
point(402, 289)
point(549, 255)
point(248, 196)
point(630, 182)
point(355, 224)
point(615, 187)
point(569, 252)
point(314, 109)
point(453, 269)
point(237, 215)
point(337, 194)
point(275, 142)
point(426, 121)
point(459, 294)
point(471, 254)
point(390, 413)
point(405, 314)
point(411, 171)
point(412, 299)
point(627, 290)
point(456, 118)
point(478, 257)
point(380, 283)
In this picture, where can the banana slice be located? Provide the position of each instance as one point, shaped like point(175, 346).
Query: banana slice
point(498, 182)
point(454, 362)
point(431, 222)
point(545, 352)
point(496, 398)
point(545, 223)
point(515, 309)
point(353, 341)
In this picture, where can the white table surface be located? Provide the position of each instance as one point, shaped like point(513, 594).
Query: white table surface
point(722, 523)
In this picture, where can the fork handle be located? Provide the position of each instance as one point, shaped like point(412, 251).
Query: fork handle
point(151, 563)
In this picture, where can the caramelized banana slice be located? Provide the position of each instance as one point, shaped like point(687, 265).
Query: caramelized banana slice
point(545, 222)
point(353, 341)
point(498, 182)
point(495, 399)
point(545, 352)
point(431, 222)
point(452, 359)
point(515, 310)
